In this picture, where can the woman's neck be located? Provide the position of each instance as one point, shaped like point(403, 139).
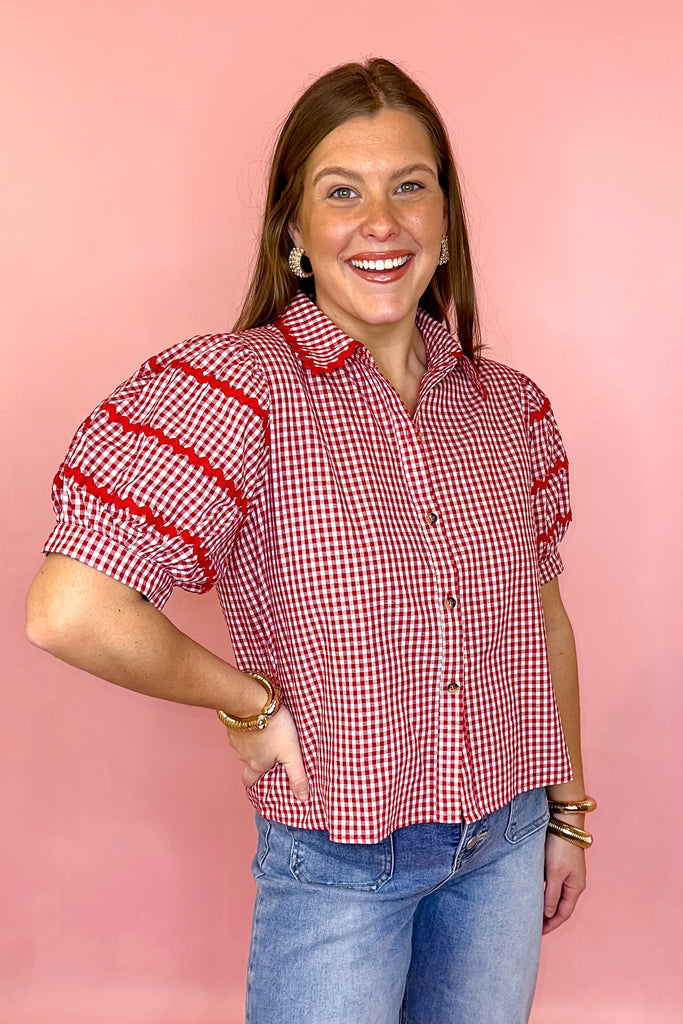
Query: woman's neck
point(397, 349)
point(403, 364)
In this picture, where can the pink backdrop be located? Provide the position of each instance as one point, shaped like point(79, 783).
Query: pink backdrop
point(135, 140)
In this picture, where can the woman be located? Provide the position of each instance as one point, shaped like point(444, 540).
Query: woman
point(379, 509)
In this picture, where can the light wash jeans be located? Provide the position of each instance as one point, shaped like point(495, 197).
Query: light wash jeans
point(438, 924)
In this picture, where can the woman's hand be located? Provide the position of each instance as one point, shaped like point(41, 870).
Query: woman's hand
point(261, 750)
point(565, 880)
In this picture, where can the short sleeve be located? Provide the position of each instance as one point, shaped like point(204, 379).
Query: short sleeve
point(550, 502)
point(158, 480)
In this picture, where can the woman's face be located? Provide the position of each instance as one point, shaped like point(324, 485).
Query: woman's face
point(372, 195)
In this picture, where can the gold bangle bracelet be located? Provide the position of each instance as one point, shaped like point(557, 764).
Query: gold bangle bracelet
point(584, 806)
point(259, 721)
point(571, 833)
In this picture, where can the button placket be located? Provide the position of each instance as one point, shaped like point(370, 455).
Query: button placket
point(441, 557)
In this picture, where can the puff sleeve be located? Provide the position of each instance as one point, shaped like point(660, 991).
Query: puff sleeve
point(157, 481)
point(550, 504)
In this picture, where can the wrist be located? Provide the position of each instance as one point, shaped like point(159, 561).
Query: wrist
point(246, 699)
point(579, 820)
point(575, 807)
point(259, 719)
point(567, 816)
point(569, 832)
point(567, 792)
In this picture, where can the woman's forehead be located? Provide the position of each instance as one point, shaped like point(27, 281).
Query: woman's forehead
point(387, 139)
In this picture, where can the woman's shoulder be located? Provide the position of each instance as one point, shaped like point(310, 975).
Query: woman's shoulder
point(506, 381)
point(219, 353)
point(224, 361)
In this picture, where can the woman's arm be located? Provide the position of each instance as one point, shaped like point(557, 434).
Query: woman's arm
point(565, 867)
point(91, 621)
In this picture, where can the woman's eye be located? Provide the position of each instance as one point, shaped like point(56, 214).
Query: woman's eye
point(409, 186)
point(343, 192)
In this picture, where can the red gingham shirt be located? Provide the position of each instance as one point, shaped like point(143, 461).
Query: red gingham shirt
point(384, 570)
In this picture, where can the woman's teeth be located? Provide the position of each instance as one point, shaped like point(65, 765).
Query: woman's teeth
point(379, 264)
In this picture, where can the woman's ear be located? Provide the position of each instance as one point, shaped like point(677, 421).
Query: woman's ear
point(295, 234)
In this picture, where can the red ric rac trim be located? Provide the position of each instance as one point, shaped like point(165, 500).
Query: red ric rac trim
point(540, 485)
point(310, 363)
point(146, 513)
point(538, 414)
point(561, 520)
point(190, 454)
point(229, 390)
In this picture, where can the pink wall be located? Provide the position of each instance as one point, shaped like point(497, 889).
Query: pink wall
point(135, 138)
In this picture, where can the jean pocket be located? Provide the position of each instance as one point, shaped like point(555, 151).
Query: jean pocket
point(359, 867)
point(528, 814)
point(262, 846)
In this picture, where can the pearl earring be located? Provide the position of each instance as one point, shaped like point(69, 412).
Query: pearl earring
point(294, 260)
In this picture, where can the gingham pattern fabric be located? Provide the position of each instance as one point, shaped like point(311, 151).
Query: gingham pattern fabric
point(384, 570)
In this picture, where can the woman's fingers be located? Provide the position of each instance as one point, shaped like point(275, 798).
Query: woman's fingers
point(278, 743)
point(296, 774)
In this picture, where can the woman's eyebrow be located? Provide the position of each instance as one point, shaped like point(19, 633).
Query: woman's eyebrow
point(405, 172)
point(347, 172)
point(343, 172)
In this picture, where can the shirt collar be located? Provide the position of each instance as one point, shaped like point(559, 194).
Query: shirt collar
point(320, 345)
point(323, 347)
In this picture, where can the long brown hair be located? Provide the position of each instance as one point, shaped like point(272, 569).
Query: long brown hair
point(357, 90)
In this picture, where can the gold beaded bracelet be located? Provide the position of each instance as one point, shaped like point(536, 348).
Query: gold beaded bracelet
point(584, 806)
point(571, 833)
point(259, 721)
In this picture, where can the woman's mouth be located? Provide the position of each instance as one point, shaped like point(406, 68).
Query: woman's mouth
point(383, 264)
point(381, 268)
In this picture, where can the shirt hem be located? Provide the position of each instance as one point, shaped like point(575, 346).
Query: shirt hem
point(313, 818)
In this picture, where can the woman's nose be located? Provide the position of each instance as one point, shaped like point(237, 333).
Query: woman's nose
point(380, 220)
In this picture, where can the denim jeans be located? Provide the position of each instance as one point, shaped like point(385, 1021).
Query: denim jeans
point(438, 924)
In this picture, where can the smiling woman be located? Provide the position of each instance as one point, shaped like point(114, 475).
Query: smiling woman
point(371, 221)
point(406, 695)
point(348, 94)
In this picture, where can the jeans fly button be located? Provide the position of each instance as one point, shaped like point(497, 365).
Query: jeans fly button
point(471, 843)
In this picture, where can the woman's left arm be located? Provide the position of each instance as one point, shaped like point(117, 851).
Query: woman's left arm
point(565, 865)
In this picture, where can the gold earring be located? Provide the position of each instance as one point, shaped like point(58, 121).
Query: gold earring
point(445, 252)
point(294, 260)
